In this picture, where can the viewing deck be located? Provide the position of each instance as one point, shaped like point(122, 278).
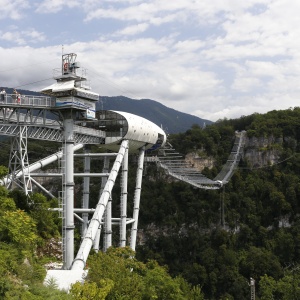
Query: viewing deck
point(13, 100)
point(35, 112)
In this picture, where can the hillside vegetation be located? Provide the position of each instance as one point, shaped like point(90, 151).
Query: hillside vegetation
point(185, 249)
point(261, 234)
point(114, 275)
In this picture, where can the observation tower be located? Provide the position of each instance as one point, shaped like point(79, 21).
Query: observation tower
point(75, 101)
point(66, 114)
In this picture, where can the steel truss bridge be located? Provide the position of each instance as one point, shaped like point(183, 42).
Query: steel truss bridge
point(35, 117)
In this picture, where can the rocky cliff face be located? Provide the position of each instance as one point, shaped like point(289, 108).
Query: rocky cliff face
point(262, 151)
point(198, 162)
point(258, 152)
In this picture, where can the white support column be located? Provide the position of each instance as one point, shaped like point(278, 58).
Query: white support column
point(137, 197)
point(124, 183)
point(86, 192)
point(105, 169)
point(97, 240)
point(86, 245)
point(68, 189)
point(107, 225)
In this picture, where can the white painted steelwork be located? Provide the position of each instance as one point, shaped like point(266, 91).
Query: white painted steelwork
point(82, 255)
point(75, 175)
point(40, 164)
point(42, 128)
point(41, 187)
point(86, 190)
point(69, 90)
point(103, 183)
point(137, 197)
point(18, 161)
point(68, 189)
point(124, 180)
point(137, 130)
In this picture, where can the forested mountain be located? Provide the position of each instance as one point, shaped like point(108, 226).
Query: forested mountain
point(211, 242)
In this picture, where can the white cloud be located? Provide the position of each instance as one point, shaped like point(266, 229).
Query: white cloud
point(25, 65)
point(134, 29)
point(246, 84)
point(216, 59)
point(54, 6)
point(156, 12)
point(23, 37)
point(13, 9)
point(188, 46)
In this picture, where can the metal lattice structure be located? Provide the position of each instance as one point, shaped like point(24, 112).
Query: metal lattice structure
point(18, 161)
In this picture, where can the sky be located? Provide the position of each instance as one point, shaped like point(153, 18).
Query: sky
point(214, 59)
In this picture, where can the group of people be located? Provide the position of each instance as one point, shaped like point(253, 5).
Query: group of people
point(16, 96)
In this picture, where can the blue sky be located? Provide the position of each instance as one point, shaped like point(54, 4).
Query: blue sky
point(211, 58)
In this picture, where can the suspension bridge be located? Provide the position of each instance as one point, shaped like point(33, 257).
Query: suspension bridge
point(66, 113)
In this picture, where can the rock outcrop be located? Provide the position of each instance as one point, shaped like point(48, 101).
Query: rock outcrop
point(262, 151)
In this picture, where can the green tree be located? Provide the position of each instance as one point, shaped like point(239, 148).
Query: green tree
point(131, 279)
point(117, 266)
point(91, 290)
point(3, 172)
point(46, 220)
point(18, 227)
point(259, 261)
point(267, 287)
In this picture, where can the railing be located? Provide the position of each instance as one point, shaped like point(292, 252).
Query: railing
point(89, 131)
point(27, 100)
point(233, 160)
point(180, 169)
point(10, 116)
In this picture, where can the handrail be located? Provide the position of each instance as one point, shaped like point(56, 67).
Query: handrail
point(27, 100)
point(180, 169)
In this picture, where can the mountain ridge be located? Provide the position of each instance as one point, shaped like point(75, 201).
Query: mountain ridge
point(171, 120)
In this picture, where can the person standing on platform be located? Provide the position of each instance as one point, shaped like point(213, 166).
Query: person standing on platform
point(3, 94)
point(15, 95)
point(18, 98)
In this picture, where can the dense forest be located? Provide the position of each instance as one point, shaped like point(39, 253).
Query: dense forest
point(261, 234)
point(187, 248)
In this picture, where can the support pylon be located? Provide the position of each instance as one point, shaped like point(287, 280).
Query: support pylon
point(137, 198)
point(18, 162)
